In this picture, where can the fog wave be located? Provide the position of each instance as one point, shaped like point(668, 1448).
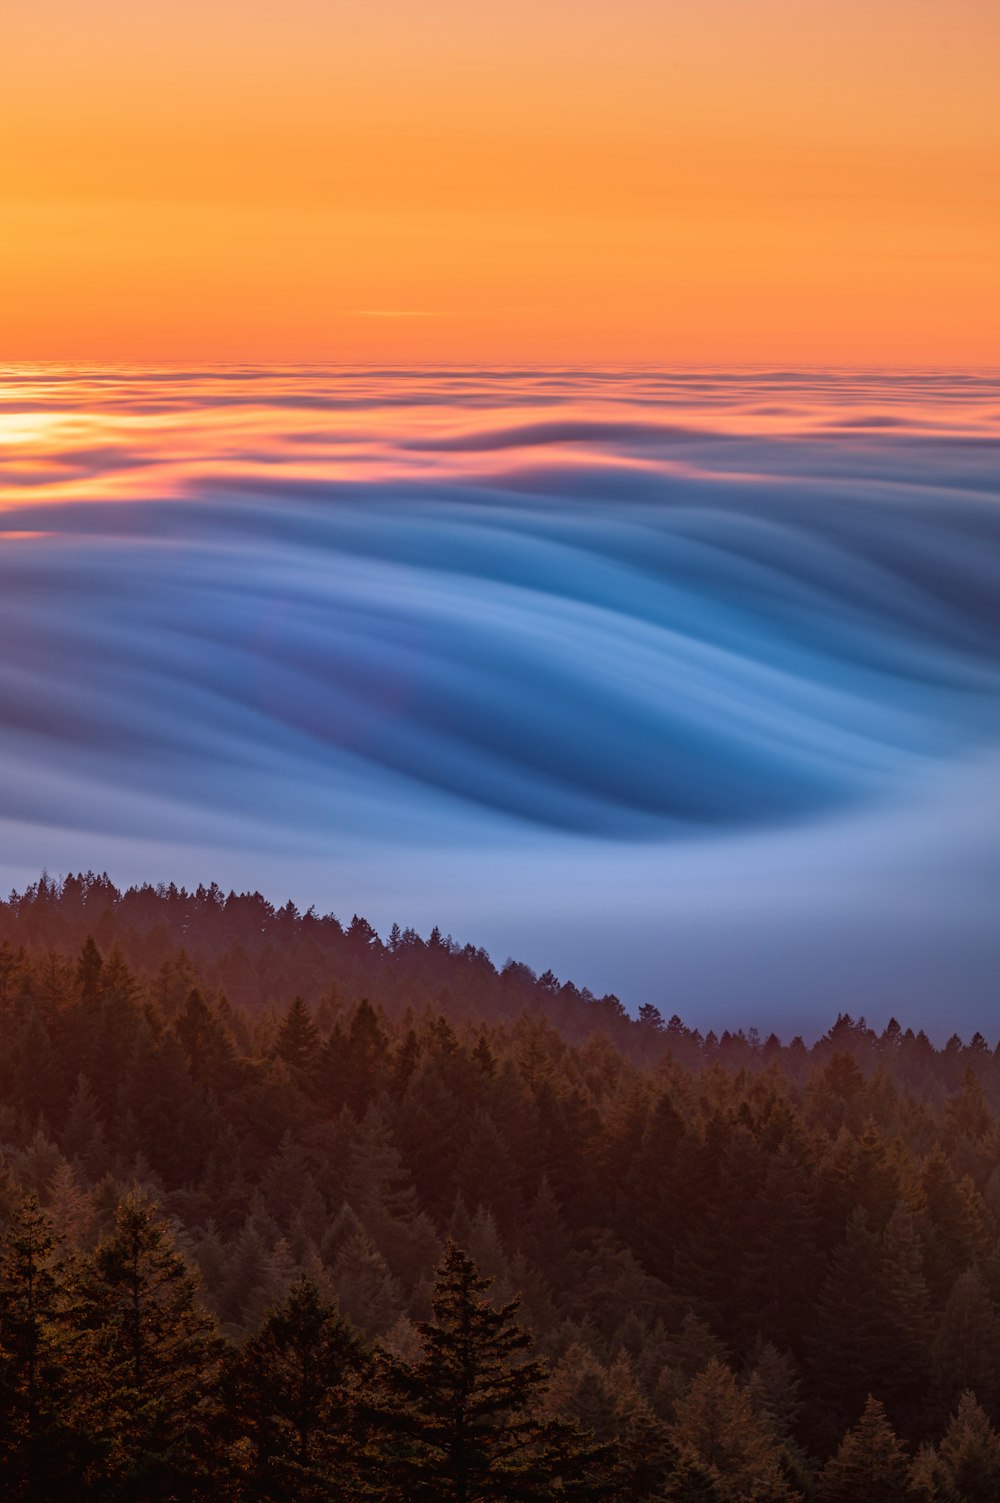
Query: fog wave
point(285, 611)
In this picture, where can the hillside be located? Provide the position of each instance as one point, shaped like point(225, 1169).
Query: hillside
point(807, 1225)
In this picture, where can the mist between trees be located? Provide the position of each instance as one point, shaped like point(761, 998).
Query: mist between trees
point(295, 1213)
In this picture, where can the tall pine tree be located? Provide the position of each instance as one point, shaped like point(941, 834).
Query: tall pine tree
point(160, 1359)
point(292, 1404)
point(461, 1421)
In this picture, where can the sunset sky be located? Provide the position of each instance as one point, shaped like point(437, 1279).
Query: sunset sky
point(540, 181)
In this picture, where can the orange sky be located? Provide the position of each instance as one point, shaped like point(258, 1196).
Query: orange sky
point(534, 180)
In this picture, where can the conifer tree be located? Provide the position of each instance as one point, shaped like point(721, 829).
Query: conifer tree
point(207, 1048)
point(870, 1465)
point(11, 964)
point(718, 1440)
point(854, 1340)
point(82, 1137)
point(292, 1404)
point(366, 1290)
point(380, 1190)
point(10, 1194)
point(298, 1042)
point(89, 969)
point(942, 1220)
point(159, 1355)
point(42, 1444)
point(580, 1390)
point(70, 1206)
point(464, 1413)
point(773, 1388)
point(367, 1058)
point(653, 1198)
point(968, 1458)
point(966, 1342)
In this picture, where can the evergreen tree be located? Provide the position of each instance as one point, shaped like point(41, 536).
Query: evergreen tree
point(870, 1465)
point(464, 1413)
point(206, 1046)
point(653, 1200)
point(380, 1190)
point(966, 1342)
point(89, 973)
point(720, 1442)
point(366, 1291)
point(854, 1341)
point(968, 1458)
point(42, 1434)
point(292, 1398)
point(942, 1220)
point(160, 1359)
point(774, 1389)
point(298, 1042)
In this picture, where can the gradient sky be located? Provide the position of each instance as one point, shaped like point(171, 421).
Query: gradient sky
point(538, 181)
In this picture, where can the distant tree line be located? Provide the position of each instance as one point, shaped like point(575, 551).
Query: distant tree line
point(238, 1223)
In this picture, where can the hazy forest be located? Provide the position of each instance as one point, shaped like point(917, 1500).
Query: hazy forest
point(293, 1212)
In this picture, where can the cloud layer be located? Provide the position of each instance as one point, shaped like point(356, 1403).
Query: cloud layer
point(398, 622)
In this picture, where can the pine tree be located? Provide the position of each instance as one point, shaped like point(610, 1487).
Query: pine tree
point(380, 1190)
point(43, 1443)
point(10, 1193)
point(942, 1221)
point(89, 969)
point(366, 1291)
point(11, 965)
point(160, 1358)
point(298, 1042)
point(465, 1412)
point(870, 1465)
point(82, 1136)
point(654, 1203)
point(292, 1404)
point(367, 1057)
point(906, 1385)
point(580, 1390)
point(718, 1440)
point(854, 1341)
point(773, 1388)
point(966, 1342)
point(206, 1045)
point(968, 1459)
point(71, 1207)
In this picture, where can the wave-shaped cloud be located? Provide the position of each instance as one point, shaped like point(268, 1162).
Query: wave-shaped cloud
point(234, 620)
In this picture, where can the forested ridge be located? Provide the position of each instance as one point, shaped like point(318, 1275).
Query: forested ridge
point(294, 1212)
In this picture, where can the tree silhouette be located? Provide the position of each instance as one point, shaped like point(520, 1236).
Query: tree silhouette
point(42, 1445)
point(292, 1403)
point(464, 1412)
point(159, 1357)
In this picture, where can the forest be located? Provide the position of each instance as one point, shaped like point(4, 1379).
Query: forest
point(291, 1211)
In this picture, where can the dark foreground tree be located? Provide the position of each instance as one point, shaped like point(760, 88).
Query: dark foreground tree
point(459, 1424)
point(158, 1358)
point(292, 1403)
point(42, 1447)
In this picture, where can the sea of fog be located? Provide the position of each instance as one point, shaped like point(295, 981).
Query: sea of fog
point(685, 685)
